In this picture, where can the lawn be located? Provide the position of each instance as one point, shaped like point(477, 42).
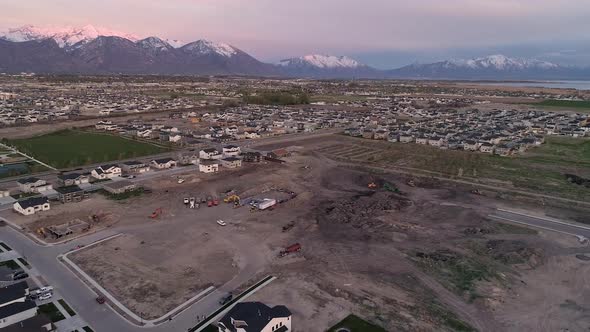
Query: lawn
point(71, 148)
point(67, 307)
point(10, 264)
point(582, 104)
point(24, 262)
point(51, 311)
point(356, 324)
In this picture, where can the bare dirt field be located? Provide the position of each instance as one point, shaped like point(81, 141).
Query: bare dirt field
point(424, 257)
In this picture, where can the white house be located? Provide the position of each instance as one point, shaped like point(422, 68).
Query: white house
point(32, 205)
point(135, 167)
point(106, 172)
point(163, 163)
point(33, 185)
point(208, 166)
point(231, 151)
point(72, 179)
point(210, 153)
point(256, 317)
point(174, 138)
point(15, 307)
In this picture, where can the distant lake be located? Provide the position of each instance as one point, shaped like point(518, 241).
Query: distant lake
point(579, 85)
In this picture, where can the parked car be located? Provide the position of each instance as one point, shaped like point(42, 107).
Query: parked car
point(45, 296)
point(20, 276)
point(100, 300)
point(42, 290)
point(221, 222)
point(224, 300)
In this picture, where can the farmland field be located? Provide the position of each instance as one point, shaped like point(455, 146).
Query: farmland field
point(70, 148)
point(541, 169)
point(578, 104)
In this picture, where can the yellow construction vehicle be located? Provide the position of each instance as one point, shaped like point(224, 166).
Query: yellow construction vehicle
point(232, 199)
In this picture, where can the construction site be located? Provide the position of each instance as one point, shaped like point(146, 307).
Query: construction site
point(405, 252)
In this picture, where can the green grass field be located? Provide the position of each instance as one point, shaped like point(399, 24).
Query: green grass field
point(578, 104)
point(356, 324)
point(69, 148)
point(541, 169)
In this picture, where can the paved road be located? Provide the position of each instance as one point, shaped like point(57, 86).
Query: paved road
point(569, 228)
point(82, 299)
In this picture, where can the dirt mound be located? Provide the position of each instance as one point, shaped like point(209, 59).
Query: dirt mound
point(514, 252)
point(363, 209)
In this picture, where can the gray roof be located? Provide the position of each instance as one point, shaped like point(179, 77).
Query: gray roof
point(33, 201)
point(256, 314)
point(13, 292)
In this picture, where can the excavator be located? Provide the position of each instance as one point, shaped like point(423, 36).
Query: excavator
point(232, 199)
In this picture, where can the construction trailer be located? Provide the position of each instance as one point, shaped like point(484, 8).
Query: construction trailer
point(266, 203)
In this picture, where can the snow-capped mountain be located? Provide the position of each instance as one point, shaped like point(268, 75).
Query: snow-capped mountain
point(321, 61)
point(491, 67)
point(98, 50)
point(207, 47)
point(64, 37)
point(175, 43)
point(500, 62)
point(327, 66)
point(155, 43)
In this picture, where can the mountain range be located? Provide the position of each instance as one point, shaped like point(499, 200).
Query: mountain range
point(93, 50)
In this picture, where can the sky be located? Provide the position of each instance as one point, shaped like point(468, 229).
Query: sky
point(382, 33)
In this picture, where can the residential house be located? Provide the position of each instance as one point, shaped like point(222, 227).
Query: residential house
point(210, 153)
point(486, 148)
point(368, 134)
point(33, 185)
point(503, 150)
point(251, 135)
point(106, 172)
point(380, 134)
point(251, 157)
point(134, 167)
point(406, 138)
point(422, 140)
point(32, 205)
point(188, 158)
point(279, 153)
point(256, 317)
point(119, 187)
point(231, 162)
point(163, 163)
point(471, 145)
point(71, 193)
point(15, 305)
point(208, 166)
point(175, 138)
point(71, 179)
point(231, 151)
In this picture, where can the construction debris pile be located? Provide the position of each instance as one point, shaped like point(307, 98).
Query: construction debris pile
point(363, 209)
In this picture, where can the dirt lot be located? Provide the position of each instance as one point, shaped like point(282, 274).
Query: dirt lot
point(423, 258)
